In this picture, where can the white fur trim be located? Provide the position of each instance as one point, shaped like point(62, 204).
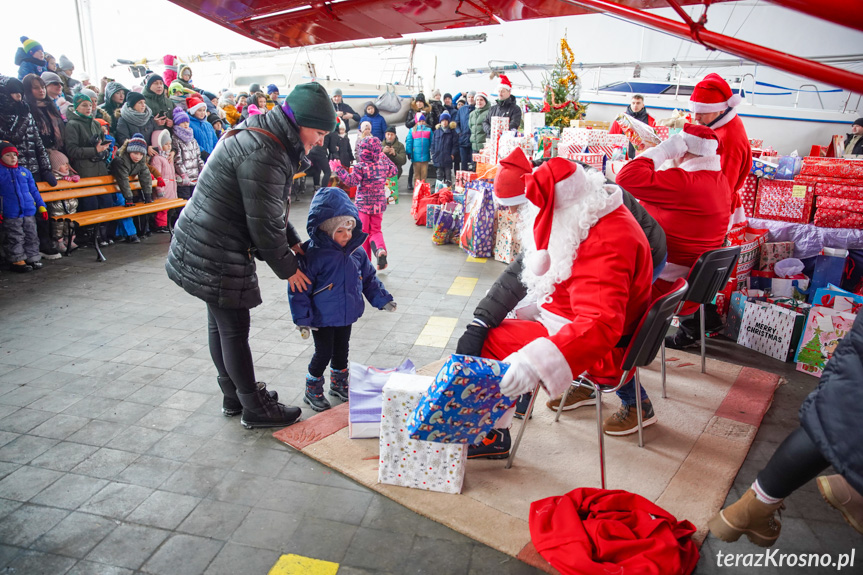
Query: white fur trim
point(702, 163)
point(539, 262)
point(672, 272)
point(615, 200)
point(725, 119)
point(513, 201)
point(700, 146)
point(551, 365)
point(672, 148)
point(735, 100)
point(737, 217)
point(571, 190)
point(197, 107)
point(702, 108)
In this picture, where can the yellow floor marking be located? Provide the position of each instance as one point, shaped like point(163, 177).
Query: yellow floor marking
point(299, 565)
point(437, 331)
point(473, 260)
point(462, 286)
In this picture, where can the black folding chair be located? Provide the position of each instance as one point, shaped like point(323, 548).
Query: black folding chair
point(707, 277)
point(642, 351)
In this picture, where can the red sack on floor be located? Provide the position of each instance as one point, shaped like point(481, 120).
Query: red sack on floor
point(590, 531)
point(421, 190)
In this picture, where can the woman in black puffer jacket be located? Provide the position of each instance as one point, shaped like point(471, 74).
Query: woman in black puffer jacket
point(18, 127)
point(237, 213)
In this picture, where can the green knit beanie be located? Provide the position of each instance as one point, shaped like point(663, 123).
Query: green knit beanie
point(312, 107)
point(81, 98)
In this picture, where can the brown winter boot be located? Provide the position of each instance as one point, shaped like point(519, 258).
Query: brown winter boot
point(748, 516)
point(843, 497)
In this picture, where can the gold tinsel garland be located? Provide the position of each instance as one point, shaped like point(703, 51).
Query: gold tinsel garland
point(568, 59)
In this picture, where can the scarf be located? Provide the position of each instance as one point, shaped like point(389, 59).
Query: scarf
point(640, 116)
point(135, 117)
point(185, 134)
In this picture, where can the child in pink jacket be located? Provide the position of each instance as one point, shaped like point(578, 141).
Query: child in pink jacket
point(164, 162)
point(370, 174)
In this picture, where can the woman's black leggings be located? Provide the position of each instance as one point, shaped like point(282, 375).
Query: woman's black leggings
point(229, 345)
point(795, 462)
point(331, 343)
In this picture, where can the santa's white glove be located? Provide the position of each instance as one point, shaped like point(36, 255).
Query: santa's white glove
point(391, 306)
point(672, 148)
point(520, 378)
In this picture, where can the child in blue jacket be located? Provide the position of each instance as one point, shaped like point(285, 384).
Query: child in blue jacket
point(444, 148)
point(418, 146)
point(341, 274)
point(20, 201)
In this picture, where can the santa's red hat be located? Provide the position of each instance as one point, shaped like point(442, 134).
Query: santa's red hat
point(509, 181)
point(713, 94)
point(504, 83)
point(701, 140)
point(556, 185)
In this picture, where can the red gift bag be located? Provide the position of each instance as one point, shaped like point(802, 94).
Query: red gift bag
point(421, 190)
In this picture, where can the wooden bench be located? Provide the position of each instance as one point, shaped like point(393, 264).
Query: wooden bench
point(87, 187)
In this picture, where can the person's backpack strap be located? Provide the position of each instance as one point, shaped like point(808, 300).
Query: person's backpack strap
point(234, 131)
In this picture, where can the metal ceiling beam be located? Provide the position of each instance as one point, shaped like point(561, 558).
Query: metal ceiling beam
point(780, 60)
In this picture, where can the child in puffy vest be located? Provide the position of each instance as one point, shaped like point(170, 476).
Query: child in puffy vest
point(21, 202)
point(418, 146)
point(63, 171)
point(187, 155)
point(370, 174)
point(445, 145)
point(341, 275)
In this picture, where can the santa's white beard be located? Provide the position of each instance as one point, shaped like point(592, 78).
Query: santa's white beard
point(569, 228)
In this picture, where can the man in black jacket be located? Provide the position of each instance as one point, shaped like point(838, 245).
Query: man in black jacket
point(239, 213)
point(854, 140)
point(343, 111)
point(506, 107)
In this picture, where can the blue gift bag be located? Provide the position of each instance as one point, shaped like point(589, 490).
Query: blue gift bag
point(463, 404)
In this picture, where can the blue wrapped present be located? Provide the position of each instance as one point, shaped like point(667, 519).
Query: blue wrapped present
point(463, 404)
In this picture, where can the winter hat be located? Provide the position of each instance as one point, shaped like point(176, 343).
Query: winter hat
point(177, 89)
point(700, 140)
point(65, 63)
point(195, 103)
point(857, 122)
point(14, 86)
point(713, 94)
point(463, 100)
point(51, 78)
point(57, 159)
point(504, 84)
point(136, 143)
point(152, 78)
point(243, 95)
point(133, 98)
point(30, 45)
point(436, 93)
point(421, 98)
point(447, 95)
point(420, 117)
point(102, 122)
point(254, 88)
point(79, 88)
point(160, 138)
point(81, 97)
point(482, 95)
point(112, 88)
point(254, 110)
point(556, 185)
point(311, 106)
point(365, 125)
point(509, 182)
point(472, 93)
point(180, 116)
point(445, 116)
point(390, 129)
point(337, 92)
point(272, 88)
point(182, 68)
point(213, 118)
point(6, 147)
point(332, 225)
point(208, 95)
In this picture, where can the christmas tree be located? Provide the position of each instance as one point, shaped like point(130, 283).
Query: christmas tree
point(562, 87)
point(810, 355)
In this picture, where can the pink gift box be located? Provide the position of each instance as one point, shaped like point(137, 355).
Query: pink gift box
point(785, 200)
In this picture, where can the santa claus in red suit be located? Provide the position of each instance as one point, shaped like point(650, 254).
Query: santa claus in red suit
point(714, 106)
point(587, 272)
point(681, 184)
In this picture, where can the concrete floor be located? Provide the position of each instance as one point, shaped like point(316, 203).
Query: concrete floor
point(114, 457)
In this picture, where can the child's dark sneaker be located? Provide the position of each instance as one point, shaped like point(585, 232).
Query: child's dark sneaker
point(134, 239)
point(20, 268)
point(314, 395)
point(382, 259)
point(339, 379)
point(37, 265)
point(522, 404)
point(495, 446)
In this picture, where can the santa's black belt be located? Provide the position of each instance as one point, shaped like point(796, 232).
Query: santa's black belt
point(624, 341)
